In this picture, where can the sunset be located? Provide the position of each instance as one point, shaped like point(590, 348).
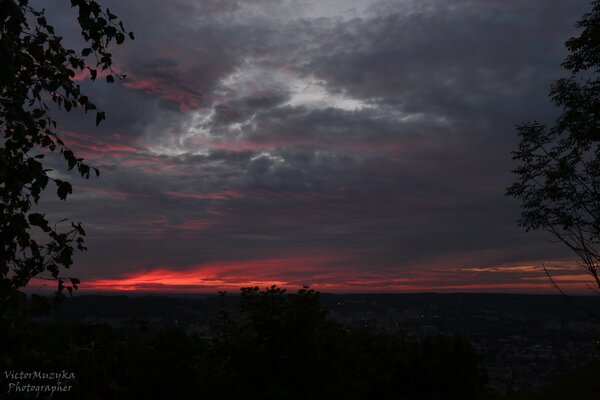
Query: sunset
point(356, 146)
point(300, 199)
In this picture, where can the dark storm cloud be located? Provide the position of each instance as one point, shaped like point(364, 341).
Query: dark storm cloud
point(442, 57)
point(374, 142)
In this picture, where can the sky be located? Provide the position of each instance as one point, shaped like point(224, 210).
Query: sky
point(354, 146)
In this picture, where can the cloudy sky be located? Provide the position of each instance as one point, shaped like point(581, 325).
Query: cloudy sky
point(353, 145)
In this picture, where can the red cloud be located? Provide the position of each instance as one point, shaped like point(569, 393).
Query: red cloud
point(115, 149)
point(212, 277)
point(94, 147)
point(333, 273)
point(186, 98)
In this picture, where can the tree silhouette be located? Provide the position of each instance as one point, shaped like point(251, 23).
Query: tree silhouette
point(286, 346)
point(269, 344)
point(558, 179)
point(36, 76)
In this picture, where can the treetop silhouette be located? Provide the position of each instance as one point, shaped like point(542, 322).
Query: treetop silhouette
point(558, 177)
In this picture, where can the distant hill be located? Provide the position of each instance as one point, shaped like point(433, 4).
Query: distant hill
point(186, 308)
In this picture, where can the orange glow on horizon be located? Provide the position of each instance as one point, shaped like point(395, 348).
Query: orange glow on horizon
point(211, 276)
point(322, 274)
point(335, 273)
point(172, 280)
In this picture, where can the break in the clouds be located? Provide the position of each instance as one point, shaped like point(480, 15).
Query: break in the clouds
point(351, 145)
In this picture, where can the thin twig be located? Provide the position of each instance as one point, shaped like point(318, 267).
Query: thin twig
point(580, 308)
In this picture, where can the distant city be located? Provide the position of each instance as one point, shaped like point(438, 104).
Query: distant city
point(524, 341)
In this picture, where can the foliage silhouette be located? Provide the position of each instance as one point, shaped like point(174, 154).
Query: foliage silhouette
point(37, 76)
point(558, 177)
point(275, 345)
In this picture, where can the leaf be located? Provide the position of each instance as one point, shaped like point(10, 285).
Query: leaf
point(39, 220)
point(100, 115)
point(63, 189)
point(70, 158)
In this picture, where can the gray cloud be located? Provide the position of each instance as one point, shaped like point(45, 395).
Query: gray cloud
point(259, 130)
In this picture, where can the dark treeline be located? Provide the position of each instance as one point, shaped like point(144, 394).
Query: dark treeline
point(279, 346)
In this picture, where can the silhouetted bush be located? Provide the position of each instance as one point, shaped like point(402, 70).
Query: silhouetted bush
point(280, 346)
